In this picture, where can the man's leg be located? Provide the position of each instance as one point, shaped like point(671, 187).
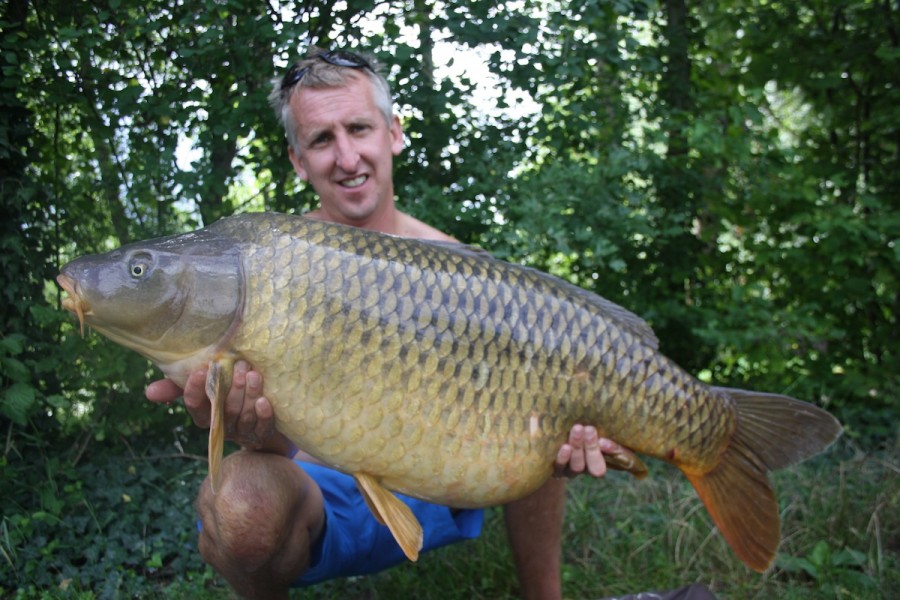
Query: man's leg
point(259, 527)
point(534, 525)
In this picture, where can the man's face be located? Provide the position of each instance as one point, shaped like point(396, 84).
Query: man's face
point(346, 150)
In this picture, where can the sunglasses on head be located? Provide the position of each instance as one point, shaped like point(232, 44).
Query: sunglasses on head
point(338, 58)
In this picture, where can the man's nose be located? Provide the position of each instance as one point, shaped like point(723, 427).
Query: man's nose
point(346, 154)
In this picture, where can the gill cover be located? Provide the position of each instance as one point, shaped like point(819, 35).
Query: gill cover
point(166, 298)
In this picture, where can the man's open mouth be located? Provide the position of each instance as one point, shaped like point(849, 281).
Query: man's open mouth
point(355, 182)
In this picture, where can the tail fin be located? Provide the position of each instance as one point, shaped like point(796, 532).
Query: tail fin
point(772, 432)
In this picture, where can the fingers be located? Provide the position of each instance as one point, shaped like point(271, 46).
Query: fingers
point(596, 464)
point(265, 415)
point(248, 415)
point(195, 400)
point(577, 440)
point(250, 418)
point(564, 456)
point(235, 420)
point(164, 391)
point(584, 453)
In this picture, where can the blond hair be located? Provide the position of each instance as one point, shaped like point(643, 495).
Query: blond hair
point(319, 72)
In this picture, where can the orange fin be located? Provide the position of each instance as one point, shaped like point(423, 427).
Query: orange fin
point(218, 383)
point(741, 502)
point(772, 432)
point(390, 511)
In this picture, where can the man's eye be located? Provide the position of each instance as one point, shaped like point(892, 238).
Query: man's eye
point(320, 140)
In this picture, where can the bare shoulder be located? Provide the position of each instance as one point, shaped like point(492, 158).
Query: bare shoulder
point(409, 226)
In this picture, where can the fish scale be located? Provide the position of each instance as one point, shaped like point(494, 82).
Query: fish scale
point(435, 370)
point(431, 288)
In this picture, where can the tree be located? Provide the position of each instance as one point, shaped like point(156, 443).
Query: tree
point(688, 161)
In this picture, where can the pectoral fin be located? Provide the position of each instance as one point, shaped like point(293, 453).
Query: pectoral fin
point(218, 383)
point(390, 511)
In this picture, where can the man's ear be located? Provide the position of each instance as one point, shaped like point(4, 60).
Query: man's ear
point(298, 164)
point(396, 131)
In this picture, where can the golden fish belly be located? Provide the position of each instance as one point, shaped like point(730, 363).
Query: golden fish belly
point(448, 379)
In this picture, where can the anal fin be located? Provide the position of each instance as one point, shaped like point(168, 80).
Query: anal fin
point(390, 511)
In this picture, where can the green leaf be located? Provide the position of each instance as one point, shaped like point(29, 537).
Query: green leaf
point(58, 401)
point(17, 401)
point(12, 344)
point(821, 554)
point(849, 557)
point(14, 369)
point(794, 564)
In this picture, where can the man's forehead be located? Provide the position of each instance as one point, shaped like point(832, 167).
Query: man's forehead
point(322, 106)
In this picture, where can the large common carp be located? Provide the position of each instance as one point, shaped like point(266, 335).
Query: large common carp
point(436, 371)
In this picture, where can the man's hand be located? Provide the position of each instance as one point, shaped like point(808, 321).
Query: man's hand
point(584, 452)
point(248, 415)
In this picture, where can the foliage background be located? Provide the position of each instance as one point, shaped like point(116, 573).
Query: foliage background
point(730, 171)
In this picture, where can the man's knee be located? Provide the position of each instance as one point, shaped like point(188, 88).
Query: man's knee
point(247, 520)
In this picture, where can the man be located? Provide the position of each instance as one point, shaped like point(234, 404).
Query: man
point(278, 522)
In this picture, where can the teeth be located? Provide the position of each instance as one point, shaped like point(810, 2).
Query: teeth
point(355, 182)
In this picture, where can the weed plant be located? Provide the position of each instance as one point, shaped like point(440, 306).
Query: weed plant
point(121, 524)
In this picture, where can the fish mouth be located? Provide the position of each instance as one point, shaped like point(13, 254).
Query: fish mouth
point(73, 303)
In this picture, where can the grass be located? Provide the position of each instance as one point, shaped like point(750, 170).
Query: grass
point(118, 526)
point(841, 528)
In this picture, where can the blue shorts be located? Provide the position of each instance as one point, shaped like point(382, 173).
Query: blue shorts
point(354, 543)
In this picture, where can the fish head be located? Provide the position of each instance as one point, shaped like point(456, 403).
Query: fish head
point(173, 299)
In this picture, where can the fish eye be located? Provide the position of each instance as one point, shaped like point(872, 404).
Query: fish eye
point(139, 266)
